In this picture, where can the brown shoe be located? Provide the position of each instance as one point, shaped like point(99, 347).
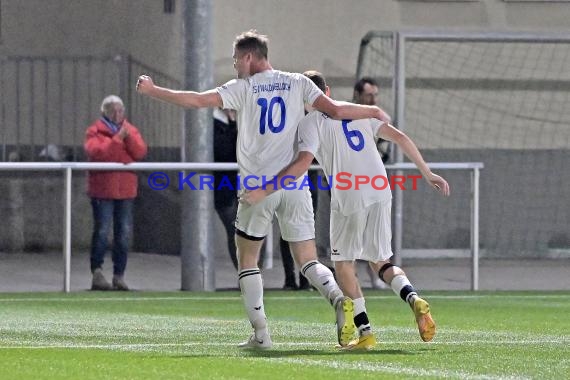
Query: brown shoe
point(119, 283)
point(99, 282)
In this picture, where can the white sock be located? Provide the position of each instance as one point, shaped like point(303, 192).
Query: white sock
point(403, 288)
point(251, 286)
point(360, 317)
point(322, 278)
point(359, 305)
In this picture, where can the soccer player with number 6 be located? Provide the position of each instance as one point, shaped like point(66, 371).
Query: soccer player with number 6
point(270, 105)
point(360, 218)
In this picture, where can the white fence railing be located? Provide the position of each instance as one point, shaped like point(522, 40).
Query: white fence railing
point(69, 167)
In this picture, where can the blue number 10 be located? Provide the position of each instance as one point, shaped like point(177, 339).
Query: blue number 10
point(266, 117)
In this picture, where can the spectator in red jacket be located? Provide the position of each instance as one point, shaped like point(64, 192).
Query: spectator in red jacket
point(112, 139)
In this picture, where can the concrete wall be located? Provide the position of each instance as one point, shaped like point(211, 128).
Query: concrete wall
point(523, 203)
point(31, 207)
point(320, 34)
point(93, 27)
point(523, 212)
point(325, 35)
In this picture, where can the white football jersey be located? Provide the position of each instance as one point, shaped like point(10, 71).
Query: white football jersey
point(270, 105)
point(346, 149)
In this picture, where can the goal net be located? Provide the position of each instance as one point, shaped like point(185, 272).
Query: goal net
point(502, 99)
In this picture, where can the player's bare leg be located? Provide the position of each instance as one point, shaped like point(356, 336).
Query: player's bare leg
point(375, 282)
point(251, 286)
point(396, 278)
point(321, 277)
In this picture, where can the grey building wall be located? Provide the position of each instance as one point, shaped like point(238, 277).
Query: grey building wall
point(524, 204)
point(320, 34)
point(93, 27)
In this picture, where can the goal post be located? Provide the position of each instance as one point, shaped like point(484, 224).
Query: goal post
point(497, 98)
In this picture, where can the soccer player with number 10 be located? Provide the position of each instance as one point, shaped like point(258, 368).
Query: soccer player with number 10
point(270, 105)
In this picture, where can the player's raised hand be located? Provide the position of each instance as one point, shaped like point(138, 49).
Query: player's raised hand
point(439, 183)
point(144, 84)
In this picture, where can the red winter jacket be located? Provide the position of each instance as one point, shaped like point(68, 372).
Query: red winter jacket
point(102, 145)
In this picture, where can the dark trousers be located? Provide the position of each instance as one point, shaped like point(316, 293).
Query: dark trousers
point(119, 214)
point(227, 215)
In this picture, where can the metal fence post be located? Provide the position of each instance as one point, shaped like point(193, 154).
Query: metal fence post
point(67, 230)
point(475, 229)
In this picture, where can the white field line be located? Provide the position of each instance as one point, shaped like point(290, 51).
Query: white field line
point(449, 337)
point(138, 346)
point(335, 364)
point(285, 298)
point(389, 368)
point(127, 325)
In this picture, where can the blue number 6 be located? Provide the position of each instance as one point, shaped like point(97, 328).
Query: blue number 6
point(354, 134)
point(266, 118)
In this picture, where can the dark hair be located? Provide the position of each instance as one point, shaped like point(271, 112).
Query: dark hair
point(359, 86)
point(252, 42)
point(317, 78)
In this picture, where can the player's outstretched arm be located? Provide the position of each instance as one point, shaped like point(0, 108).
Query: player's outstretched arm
point(187, 99)
point(344, 110)
point(388, 132)
point(289, 174)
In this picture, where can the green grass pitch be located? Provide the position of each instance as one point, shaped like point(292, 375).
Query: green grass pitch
point(181, 335)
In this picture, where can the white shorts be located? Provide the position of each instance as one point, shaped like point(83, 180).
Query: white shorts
point(294, 211)
point(363, 235)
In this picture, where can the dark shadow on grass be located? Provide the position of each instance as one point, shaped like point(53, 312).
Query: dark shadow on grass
point(313, 352)
point(304, 352)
